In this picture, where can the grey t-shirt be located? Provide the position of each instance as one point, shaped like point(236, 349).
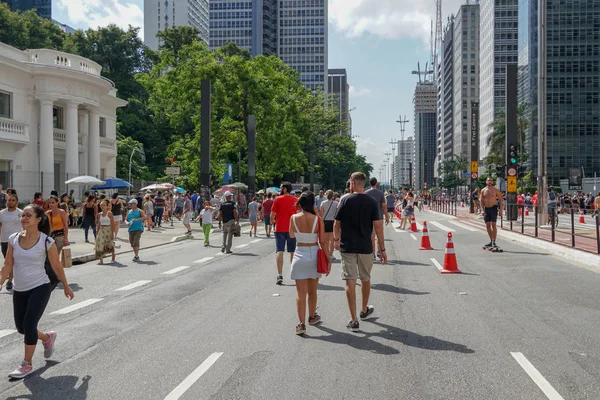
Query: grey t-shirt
point(379, 197)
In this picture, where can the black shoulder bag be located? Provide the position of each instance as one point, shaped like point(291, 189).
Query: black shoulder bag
point(49, 270)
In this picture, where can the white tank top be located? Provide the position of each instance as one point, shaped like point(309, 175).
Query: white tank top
point(104, 220)
point(306, 238)
point(28, 270)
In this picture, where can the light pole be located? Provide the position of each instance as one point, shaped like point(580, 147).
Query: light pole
point(130, 161)
point(402, 121)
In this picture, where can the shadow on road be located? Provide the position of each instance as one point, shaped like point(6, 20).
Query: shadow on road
point(389, 333)
point(334, 288)
point(146, 262)
point(74, 287)
point(244, 254)
point(56, 387)
point(394, 289)
point(400, 262)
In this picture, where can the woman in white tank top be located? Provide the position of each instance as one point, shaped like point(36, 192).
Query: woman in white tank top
point(309, 232)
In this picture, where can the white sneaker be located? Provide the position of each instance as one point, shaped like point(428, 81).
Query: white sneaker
point(22, 371)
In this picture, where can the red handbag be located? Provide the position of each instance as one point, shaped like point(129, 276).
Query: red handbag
point(322, 263)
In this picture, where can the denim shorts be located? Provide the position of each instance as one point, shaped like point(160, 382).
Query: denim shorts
point(267, 220)
point(281, 238)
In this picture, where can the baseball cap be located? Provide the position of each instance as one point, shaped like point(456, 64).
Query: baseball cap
point(228, 193)
point(133, 201)
point(293, 192)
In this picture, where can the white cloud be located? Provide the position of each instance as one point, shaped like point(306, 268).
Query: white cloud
point(388, 19)
point(95, 13)
point(359, 92)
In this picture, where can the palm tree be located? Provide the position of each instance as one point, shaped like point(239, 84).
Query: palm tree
point(496, 142)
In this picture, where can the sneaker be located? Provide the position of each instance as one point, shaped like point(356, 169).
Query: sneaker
point(136, 258)
point(49, 345)
point(314, 319)
point(490, 244)
point(365, 315)
point(353, 326)
point(222, 249)
point(300, 329)
point(229, 252)
point(9, 285)
point(280, 280)
point(22, 371)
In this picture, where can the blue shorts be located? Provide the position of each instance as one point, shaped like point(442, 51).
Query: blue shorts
point(267, 220)
point(281, 238)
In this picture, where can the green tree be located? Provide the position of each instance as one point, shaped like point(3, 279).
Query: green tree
point(496, 141)
point(27, 30)
point(125, 148)
point(452, 172)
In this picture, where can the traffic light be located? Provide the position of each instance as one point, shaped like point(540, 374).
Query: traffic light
point(501, 171)
point(521, 171)
point(514, 157)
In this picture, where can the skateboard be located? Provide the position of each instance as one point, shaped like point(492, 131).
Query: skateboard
point(493, 249)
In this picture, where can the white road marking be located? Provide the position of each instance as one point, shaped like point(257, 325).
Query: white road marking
point(6, 332)
point(419, 227)
point(441, 226)
point(193, 377)
point(133, 285)
point(436, 263)
point(413, 236)
point(205, 259)
point(75, 307)
point(536, 376)
point(397, 229)
point(256, 241)
point(463, 226)
point(175, 270)
point(241, 246)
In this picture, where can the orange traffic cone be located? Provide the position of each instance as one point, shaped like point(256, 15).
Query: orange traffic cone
point(450, 266)
point(527, 211)
point(425, 243)
point(413, 224)
point(581, 218)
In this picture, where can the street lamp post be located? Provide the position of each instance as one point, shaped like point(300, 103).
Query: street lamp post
point(130, 161)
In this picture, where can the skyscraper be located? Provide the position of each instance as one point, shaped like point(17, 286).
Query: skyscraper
point(498, 47)
point(404, 163)
point(446, 94)
point(250, 24)
point(162, 14)
point(339, 88)
point(573, 85)
point(43, 7)
point(425, 134)
point(302, 39)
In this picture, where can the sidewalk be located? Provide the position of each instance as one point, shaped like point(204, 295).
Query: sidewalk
point(82, 252)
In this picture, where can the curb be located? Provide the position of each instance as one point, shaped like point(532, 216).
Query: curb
point(85, 258)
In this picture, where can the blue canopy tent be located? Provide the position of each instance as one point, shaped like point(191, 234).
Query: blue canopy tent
point(113, 183)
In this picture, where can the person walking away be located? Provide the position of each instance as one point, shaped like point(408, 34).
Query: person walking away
point(284, 206)
point(491, 207)
point(25, 259)
point(253, 215)
point(267, 206)
point(104, 239)
point(187, 214)
point(116, 207)
point(59, 224)
point(357, 216)
point(327, 212)
point(149, 211)
point(206, 214)
point(135, 221)
point(159, 208)
point(319, 199)
point(228, 216)
point(309, 233)
point(390, 201)
point(39, 199)
point(552, 197)
point(178, 206)
point(90, 214)
point(378, 196)
point(2, 199)
point(10, 223)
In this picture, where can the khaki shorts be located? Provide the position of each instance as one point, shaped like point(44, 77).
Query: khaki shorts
point(357, 266)
point(187, 218)
point(134, 238)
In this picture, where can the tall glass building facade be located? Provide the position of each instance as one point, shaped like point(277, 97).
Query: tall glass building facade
point(425, 135)
point(43, 7)
point(163, 14)
point(573, 86)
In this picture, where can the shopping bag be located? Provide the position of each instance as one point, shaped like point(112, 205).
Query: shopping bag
point(67, 261)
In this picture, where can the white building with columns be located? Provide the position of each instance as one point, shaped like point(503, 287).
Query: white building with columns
point(57, 120)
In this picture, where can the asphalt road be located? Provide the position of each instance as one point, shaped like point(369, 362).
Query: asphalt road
point(515, 325)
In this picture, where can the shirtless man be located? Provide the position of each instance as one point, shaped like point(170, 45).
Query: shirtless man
point(489, 200)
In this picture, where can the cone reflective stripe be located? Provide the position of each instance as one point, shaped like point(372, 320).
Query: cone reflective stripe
point(413, 224)
point(450, 266)
point(581, 218)
point(425, 243)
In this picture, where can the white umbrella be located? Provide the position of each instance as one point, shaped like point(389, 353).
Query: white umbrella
point(156, 186)
point(85, 180)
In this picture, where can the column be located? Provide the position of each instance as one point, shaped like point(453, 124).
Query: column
point(72, 142)
point(94, 143)
point(46, 150)
point(83, 128)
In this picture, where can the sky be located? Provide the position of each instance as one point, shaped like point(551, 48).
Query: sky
point(378, 42)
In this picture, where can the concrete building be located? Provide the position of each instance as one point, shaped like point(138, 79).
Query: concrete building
point(64, 27)
point(250, 24)
point(43, 7)
point(302, 39)
point(424, 153)
point(446, 94)
point(339, 88)
point(403, 166)
point(466, 72)
point(57, 120)
point(498, 47)
point(162, 14)
point(573, 85)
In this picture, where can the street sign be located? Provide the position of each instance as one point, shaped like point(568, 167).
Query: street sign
point(173, 170)
point(575, 179)
point(466, 174)
point(512, 171)
point(474, 175)
point(474, 166)
point(512, 184)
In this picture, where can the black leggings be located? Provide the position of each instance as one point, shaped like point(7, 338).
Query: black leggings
point(28, 308)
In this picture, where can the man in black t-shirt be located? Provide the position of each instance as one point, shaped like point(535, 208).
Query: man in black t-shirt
point(356, 217)
point(228, 216)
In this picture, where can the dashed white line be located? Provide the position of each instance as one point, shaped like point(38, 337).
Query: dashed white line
point(6, 332)
point(536, 376)
point(241, 246)
point(175, 270)
point(202, 260)
point(464, 226)
point(413, 236)
point(193, 377)
point(133, 285)
point(419, 227)
point(436, 263)
point(256, 240)
point(441, 226)
point(75, 307)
